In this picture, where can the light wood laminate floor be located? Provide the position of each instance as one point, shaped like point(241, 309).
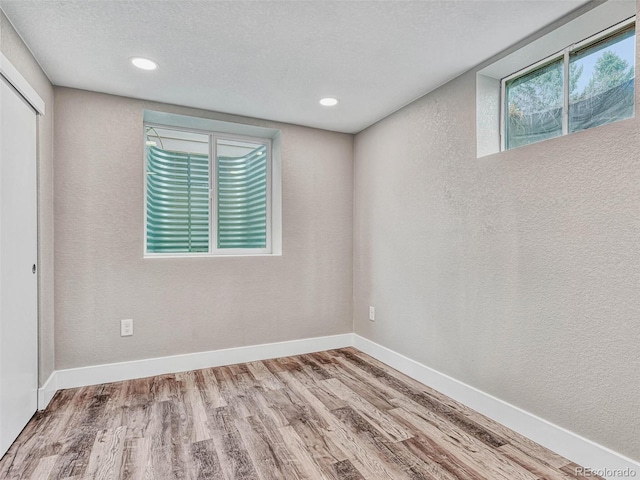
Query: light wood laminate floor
point(332, 415)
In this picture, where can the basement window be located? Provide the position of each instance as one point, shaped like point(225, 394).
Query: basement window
point(209, 192)
point(576, 76)
point(588, 84)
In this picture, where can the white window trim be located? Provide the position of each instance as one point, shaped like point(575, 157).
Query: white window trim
point(273, 173)
point(564, 54)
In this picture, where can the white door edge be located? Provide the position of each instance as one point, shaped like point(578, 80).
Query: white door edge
point(15, 78)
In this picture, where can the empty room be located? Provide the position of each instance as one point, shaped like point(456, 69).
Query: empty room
point(319, 239)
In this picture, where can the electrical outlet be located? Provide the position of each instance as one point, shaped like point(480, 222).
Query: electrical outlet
point(372, 314)
point(126, 327)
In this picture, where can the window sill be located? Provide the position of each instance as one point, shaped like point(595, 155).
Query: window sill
point(208, 255)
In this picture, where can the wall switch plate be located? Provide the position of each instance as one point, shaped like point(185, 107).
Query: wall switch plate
point(372, 314)
point(126, 327)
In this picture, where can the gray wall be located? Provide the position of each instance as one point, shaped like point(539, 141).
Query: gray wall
point(18, 54)
point(189, 304)
point(515, 273)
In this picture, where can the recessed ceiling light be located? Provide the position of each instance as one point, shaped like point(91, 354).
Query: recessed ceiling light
point(329, 101)
point(144, 63)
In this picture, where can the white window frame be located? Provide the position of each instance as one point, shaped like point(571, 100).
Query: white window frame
point(213, 137)
point(565, 55)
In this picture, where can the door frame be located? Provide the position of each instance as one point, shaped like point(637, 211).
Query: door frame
point(15, 78)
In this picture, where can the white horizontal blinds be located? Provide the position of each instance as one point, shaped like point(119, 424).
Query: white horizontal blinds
point(241, 194)
point(177, 201)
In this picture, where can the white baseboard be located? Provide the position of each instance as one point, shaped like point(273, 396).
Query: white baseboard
point(560, 440)
point(116, 372)
point(47, 391)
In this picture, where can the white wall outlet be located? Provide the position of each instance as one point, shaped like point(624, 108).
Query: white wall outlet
point(126, 327)
point(372, 313)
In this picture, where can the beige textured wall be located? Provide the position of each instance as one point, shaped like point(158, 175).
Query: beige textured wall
point(189, 304)
point(18, 54)
point(516, 273)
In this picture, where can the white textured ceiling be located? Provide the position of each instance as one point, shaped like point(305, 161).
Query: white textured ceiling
point(274, 59)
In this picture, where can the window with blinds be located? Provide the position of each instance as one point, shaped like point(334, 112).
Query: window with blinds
point(206, 193)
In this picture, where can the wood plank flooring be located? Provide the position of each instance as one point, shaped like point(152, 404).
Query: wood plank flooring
point(338, 415)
